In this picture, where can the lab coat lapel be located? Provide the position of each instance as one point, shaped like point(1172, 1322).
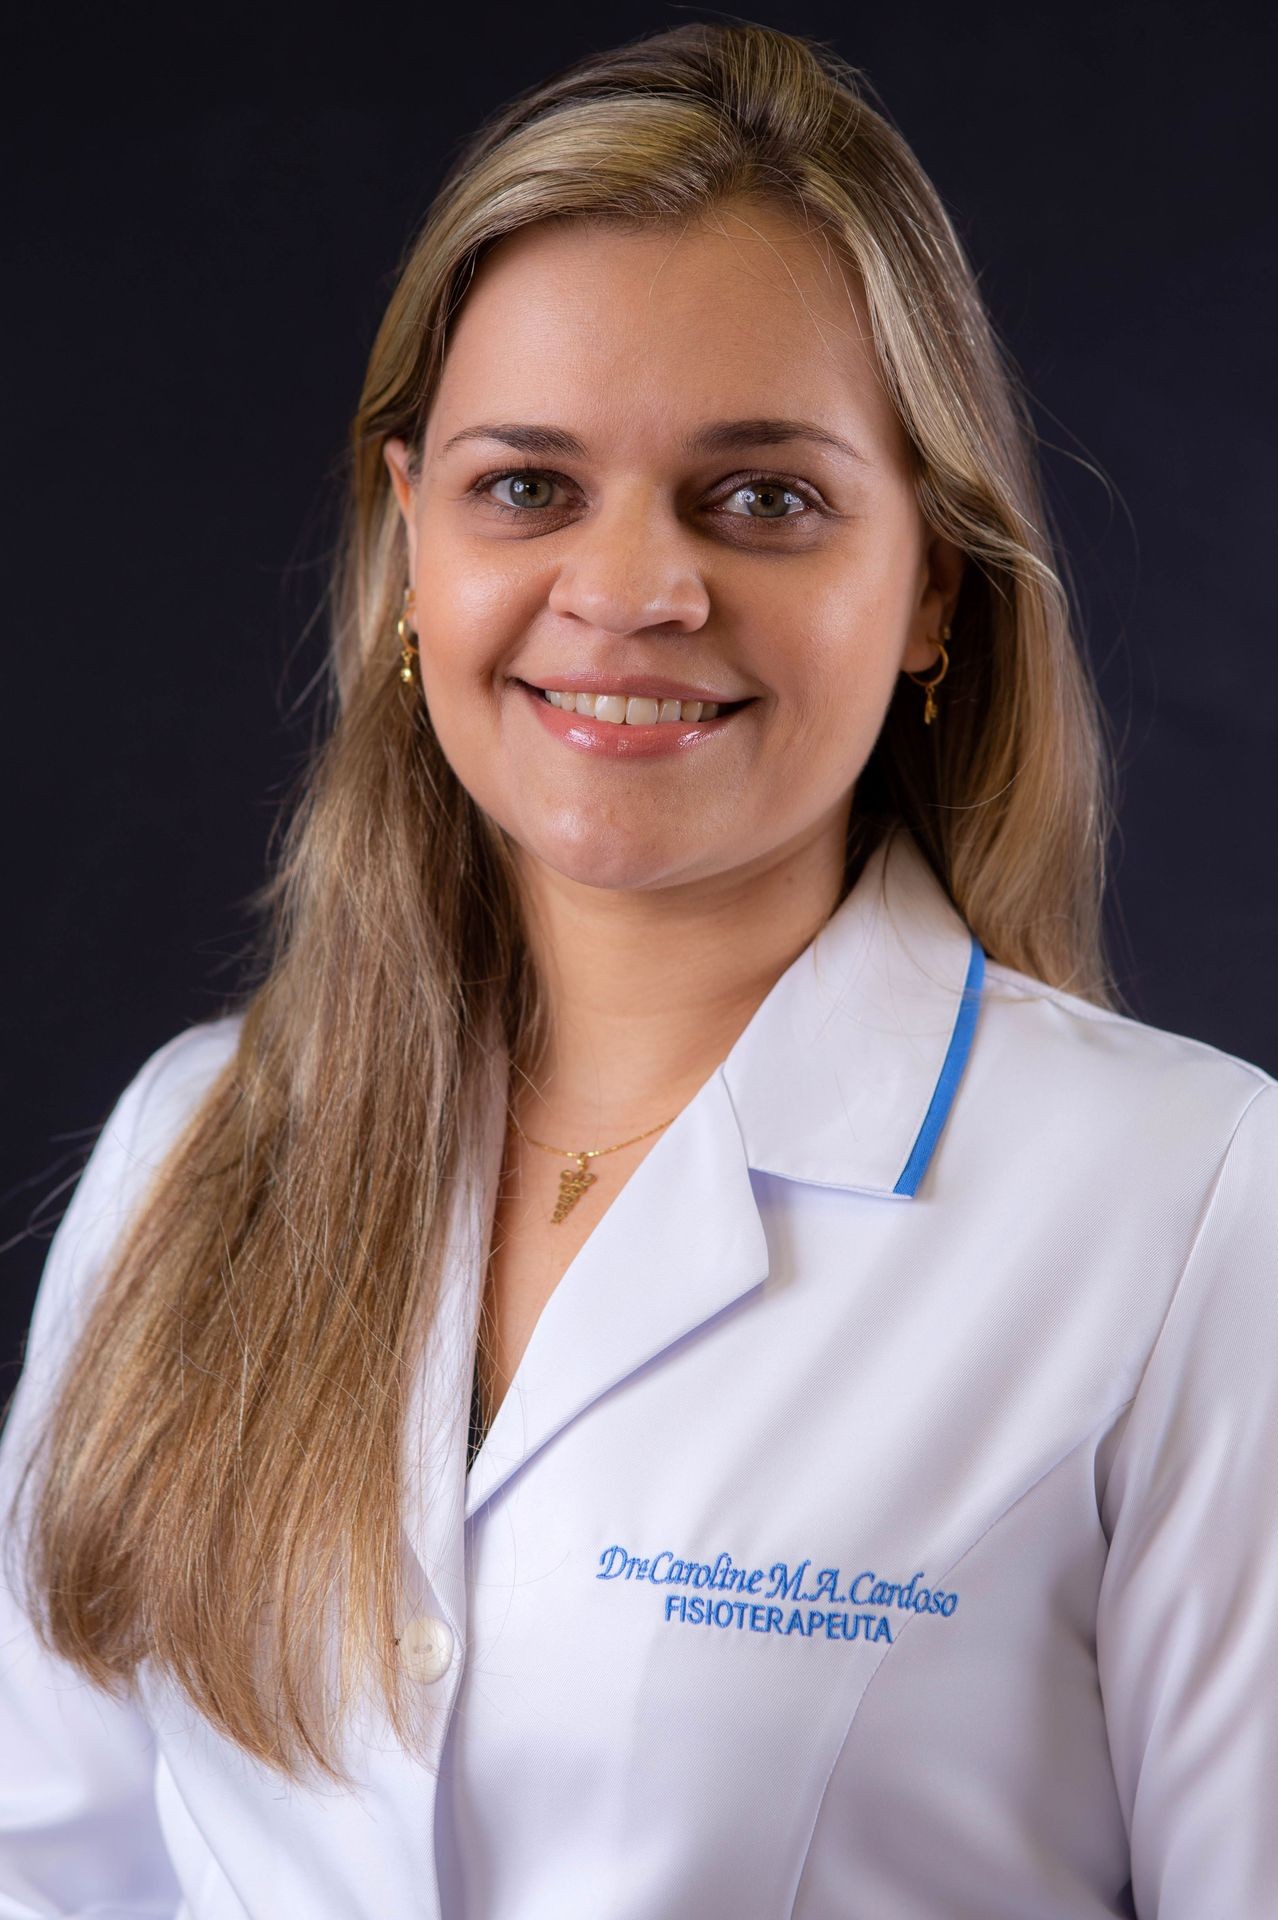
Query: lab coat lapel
point(681, 1242)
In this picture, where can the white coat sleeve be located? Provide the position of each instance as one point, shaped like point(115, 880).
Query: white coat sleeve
point(1187, 1621)
point(79, 1833)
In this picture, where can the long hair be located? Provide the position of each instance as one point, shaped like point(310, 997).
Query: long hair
point(219, 1478)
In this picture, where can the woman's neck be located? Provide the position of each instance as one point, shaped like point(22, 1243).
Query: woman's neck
point(648, 990)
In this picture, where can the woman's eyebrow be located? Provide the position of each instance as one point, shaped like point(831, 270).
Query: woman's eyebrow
point(720, 436)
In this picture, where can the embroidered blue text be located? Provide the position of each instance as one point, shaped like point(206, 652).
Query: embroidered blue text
point(781, 1582)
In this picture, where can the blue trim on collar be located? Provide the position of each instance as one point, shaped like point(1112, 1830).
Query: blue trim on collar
point(950, 1075)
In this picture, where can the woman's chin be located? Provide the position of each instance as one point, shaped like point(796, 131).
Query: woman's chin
point(616, 865)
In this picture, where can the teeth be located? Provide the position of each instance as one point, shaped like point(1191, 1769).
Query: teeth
point(631, 709)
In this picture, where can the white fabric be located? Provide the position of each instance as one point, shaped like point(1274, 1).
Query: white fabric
point(1031, 1363)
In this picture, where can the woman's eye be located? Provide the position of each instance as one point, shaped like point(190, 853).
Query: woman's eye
point(527, 490)
point(773, 499)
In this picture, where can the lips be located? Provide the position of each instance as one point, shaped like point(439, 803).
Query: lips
point(626, 742)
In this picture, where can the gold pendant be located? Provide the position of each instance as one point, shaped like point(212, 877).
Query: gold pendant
point(573, 1182)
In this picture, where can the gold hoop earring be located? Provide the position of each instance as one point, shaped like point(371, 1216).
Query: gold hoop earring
point(929, 707)
point(402, 631)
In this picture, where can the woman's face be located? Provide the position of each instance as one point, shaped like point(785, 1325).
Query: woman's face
point(630, 485)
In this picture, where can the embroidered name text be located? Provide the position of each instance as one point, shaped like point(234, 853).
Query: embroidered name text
point(779, 1582)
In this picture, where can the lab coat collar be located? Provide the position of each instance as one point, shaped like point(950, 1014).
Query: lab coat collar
point(846, 1072)
point(843, 1076)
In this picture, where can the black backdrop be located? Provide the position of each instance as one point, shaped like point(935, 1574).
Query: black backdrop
point(194, 280)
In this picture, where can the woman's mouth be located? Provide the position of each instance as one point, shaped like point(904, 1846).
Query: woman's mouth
point(627, 725)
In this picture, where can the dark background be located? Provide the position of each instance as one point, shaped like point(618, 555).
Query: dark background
point(194, 281)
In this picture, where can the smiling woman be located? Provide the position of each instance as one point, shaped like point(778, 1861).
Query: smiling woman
point(854, 1487)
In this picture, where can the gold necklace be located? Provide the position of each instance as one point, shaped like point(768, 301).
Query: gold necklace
point(573, 1181)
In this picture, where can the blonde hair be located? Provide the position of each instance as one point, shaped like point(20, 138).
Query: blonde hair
point(222, 1466)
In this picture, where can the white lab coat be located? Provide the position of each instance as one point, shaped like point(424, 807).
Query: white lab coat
point(882, 1522)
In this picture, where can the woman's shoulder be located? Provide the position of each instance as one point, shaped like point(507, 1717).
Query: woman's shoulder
point(146, 1118)
point(171, 1081)
point(130, 1147)
point(1133, 1087)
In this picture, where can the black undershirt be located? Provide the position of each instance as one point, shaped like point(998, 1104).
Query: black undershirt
point(476, 1439)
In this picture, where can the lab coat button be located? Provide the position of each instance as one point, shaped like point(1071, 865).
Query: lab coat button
point(426, 1648)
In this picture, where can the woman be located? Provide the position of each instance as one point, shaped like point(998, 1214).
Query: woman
point(682, 1057)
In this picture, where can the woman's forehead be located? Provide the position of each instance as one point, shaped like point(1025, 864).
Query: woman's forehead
point(740, 315)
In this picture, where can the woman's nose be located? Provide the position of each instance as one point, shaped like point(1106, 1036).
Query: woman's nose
point(629, 567)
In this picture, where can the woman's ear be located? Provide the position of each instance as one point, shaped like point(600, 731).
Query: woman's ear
point(395, 454)
point(942, 576)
